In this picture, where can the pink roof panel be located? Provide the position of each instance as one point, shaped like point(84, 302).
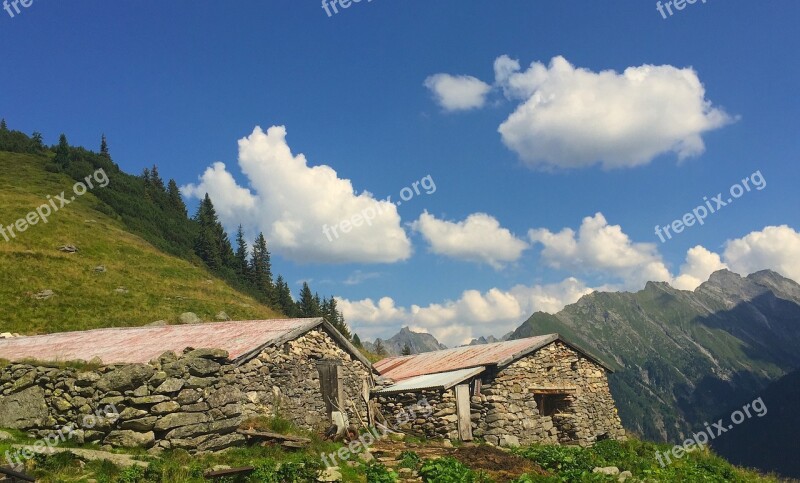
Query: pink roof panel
point(142, 344)
point(404, 367)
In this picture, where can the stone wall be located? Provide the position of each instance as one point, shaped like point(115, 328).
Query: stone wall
point(430, 413)
point(506, 412)
point(194, 401)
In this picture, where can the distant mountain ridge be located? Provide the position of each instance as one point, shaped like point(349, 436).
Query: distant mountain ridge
point(684, 357)
point(418, 342)
point(489, 339)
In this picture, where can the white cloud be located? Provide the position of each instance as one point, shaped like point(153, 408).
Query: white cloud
point(479, 238)
point(775, 247)
point(455, 322)
point(572, 117)
point(457, 93)
point(291, 201)
point(359, 277)
point(601, 248)
point(700, 264)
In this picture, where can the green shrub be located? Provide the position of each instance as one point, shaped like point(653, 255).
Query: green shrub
point(449, 470)
point(378, 473)
point(409, 459)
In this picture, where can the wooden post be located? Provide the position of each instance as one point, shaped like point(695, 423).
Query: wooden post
point(463, 410)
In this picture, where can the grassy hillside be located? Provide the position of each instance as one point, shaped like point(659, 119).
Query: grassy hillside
point(156, 286)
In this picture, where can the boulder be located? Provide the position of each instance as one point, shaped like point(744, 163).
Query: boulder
point(224, 396)
point(25, 409)
point(189, 318)
point(125, 377)
point(130, 439)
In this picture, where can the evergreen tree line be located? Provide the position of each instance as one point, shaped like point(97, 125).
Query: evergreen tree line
point(155, 210)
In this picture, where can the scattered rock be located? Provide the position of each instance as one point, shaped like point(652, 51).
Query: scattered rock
point(129, 439)
point(331, 473)
point(607, 470)
point(43, 295)
point(222, 316)
point(25, 409)
point(100, 269)
point(121, 290)
point(624, 476)
point(447, 444)
point(68, 248)
point(189, 318)
point(5, 436)
point(8, 335)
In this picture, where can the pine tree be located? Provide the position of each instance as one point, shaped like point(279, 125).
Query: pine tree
point(283, 298)
point(175, 199)
point(212, 244)
point(37, 142)
point(104, 146)
point(406, 350)
point(261, 268)
point(357, 341)
point(379, 348)
point(242, 265)
point(305, 305)
point(331, 313)
point(156, 181)
point(3, 126)
point(62, 152)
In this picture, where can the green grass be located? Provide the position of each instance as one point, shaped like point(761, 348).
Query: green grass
point(159, 286)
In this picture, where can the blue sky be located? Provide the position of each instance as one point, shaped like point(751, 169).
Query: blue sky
point(609, 156)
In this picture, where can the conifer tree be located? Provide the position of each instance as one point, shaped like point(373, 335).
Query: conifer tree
point(3, 126)
point(406, 350)
point(305, 305)
point(379, 348)
point(357, 341)
point(212, 244)
point(242, 264)
point(62, 152)
point(104, 146)
point(156, 181)
point(283, 298)
point(37, 143)
point(175, 199)
point(261, 268)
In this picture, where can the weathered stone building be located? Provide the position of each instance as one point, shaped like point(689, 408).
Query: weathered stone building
point(540, 389)
point(183, 386)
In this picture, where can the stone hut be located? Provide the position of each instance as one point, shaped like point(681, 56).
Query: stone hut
point(182, 386)
point(536, 390)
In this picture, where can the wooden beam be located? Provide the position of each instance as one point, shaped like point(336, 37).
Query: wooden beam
point(553, 390)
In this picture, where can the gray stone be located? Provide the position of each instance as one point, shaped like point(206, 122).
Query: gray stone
point(607, 470)
point(226, 441)
point(165, 407)
point(24, 410)
point(331, 473)
point(125, 377)
point(141, 425)
point(43, 295)
point(170, 385)
point(130, 439)
point(189, 318)
point(207, 353)
point(175, 420)
point(222, 316)
point(224, 396)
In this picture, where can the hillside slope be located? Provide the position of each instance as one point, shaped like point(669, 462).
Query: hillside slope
point(684, 357)
point(140, 284)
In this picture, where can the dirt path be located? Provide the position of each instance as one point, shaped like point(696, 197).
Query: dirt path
point(496, 463)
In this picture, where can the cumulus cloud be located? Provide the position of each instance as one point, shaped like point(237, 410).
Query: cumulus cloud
point(291, 202)
point(775, 247)
point(479, 238)
point(457, 93)
point(700, 264)
point(598, 247)
point(570, 117)
point(475, 313)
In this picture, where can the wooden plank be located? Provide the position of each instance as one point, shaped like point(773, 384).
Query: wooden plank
point(553, 390)
point(463, 411)
point(15, 475)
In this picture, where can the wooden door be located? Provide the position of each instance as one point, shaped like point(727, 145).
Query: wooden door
point(463, 411)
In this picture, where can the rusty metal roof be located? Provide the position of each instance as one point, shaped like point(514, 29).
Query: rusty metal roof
point(496, 354)
point(142, 344)
point(441, 380)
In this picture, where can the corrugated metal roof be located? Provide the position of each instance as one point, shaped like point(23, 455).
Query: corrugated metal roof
point(442, 380)
point(142, 344)
point(404, 367)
